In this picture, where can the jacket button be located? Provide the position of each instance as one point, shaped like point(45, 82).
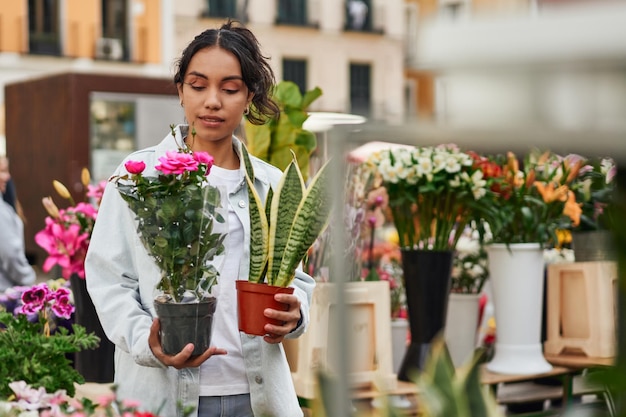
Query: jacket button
point(242, 204)
point(258, 379)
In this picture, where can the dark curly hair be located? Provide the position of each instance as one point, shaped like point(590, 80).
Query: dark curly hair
point(257, 74)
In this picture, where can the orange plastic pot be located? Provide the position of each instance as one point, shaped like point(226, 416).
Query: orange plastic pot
point(252, 300)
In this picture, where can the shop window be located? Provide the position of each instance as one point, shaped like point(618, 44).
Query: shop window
point(43, 27)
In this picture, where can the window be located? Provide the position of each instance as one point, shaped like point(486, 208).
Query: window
point(222, 8)
point(43, 27)
point(360, 89)
point(295, 70)
point(359, 15)
point(292, 12)
point(114, 14)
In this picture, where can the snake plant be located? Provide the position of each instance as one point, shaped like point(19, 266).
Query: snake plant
point(445, 391)
point(285, 225)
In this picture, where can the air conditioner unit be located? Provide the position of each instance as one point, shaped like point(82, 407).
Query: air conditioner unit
point(110, 49)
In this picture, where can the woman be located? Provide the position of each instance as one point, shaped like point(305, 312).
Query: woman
point(220, 76)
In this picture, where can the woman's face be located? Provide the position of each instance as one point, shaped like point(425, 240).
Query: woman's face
point(213, 95)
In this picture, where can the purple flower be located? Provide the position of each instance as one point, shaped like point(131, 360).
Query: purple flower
point(34, 299)
point(61, 306)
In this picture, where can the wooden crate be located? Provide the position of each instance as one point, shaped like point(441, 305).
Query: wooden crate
point(369, 340)
point(581, 308)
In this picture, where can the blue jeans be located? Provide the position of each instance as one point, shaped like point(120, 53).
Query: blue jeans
point(226, 406)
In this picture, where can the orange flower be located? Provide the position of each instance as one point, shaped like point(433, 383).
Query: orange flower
point(572, 209)
point(549, 193)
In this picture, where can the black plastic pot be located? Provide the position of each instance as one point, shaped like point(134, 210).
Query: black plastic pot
point(183, 323)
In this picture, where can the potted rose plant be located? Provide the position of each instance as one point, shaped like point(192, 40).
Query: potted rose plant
point(181, 222)
point(282, 230)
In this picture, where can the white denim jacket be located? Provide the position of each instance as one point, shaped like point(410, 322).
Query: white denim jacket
point(121, 278)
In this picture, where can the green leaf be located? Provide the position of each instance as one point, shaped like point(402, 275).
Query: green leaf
point(247, 163)
point(284, 206)
point(288, 94)
point(259, 232)
point(258, 139)
point(310, 219)
point(307, 140)
point(310, 96)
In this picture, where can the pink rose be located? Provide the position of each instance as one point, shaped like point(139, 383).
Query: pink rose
point(204, 158)
point(135, 167)
point(176, 163)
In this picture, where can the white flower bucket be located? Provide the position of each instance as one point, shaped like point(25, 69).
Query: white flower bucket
point(462, 326)
point(517, 277)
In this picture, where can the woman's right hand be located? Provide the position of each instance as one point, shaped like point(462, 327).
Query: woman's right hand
point(182, 359)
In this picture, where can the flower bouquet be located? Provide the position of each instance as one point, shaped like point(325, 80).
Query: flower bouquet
point(594, 187)
point(181, 222)
point(27, 400)
point(432, 191)
point(68, 231)
point(66, 239)
point(34, 343)
point(528, 202)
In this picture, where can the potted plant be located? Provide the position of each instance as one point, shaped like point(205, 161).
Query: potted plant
point(528, 203)
point(275, 140)
point(35, 338)
point(448, 391)
point(282, 230)
point(594, 187)
point(66, 239)
point(432, 194)
point(180, 221)
point(469, 273)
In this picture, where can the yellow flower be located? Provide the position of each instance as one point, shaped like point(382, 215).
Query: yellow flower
point(50, 207)
point(61, 189)
point(85, 177)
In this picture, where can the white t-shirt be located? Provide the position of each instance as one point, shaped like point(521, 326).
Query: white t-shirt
point(226, 374)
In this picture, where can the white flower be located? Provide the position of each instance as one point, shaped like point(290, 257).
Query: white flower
point(452, 165)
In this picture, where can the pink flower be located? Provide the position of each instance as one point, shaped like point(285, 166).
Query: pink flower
point(176, 163)
point(127, 403)
point(34, 298)
point(61, 306)
point(203, 158)
point(135, 167)
point(106, 400)
point(66, 247)
point(96, 191)
point(84, 208)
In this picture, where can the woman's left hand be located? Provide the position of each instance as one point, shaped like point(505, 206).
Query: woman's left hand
point(290, 318)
